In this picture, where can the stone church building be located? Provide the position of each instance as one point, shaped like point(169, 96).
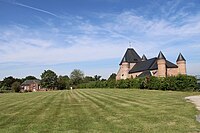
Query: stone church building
point(132, 66)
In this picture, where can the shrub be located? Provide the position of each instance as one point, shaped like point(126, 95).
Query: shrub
point(111, 83)
point(174, 83)
point(186, 83)
point(135, 83)
point(153, 83)
point(16, 86)
point(123, 83)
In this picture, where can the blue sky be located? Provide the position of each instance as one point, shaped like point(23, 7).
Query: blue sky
point(93, 35)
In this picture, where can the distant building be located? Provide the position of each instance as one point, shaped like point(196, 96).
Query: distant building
point(132, 66)
point(31, 85)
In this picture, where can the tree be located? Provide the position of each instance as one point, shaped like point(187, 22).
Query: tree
point(49, 79)
point(97, 77)
point(30, 78)
point(16, 86)
point(76, 76)
point(63, 82)
point(88, 79)
point(112, 76)
point(7, 82)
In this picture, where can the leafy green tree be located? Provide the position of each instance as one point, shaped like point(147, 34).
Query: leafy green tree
point(112, 76)
point(63, 82)
point(8, 81)
point(88, 79)
point(76, 76)
point(49, 79)
point(97, 77)
point(16, 86)
point(30, 78)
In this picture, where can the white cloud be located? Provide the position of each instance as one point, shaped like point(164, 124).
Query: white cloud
point(75, 39)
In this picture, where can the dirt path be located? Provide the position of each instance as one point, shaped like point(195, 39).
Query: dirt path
point(195, 100)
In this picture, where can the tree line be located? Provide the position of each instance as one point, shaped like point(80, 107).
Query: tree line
point(77, 79)
point(49, 79)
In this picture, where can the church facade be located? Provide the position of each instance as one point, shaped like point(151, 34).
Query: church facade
point(132, 66)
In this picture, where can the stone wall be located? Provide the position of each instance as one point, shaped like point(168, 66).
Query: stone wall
point(172, 71)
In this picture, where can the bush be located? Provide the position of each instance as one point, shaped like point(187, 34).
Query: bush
point(111, 83)
point(123, 83)
point(5, 89)
point(154, 83)
point(174, 83)
point(135, 83)
point(186, 83)
point(16, 86)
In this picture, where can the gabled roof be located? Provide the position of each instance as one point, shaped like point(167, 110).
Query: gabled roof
point(143, 65)
point(130, 56)
point(150, 64)
point(161, 56)
point(144, 58)
point(28, 82)
point(180, 58)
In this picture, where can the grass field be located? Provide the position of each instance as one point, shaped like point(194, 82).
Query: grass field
point(98, 110)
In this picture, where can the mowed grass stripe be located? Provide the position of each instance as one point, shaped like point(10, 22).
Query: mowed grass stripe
point(113, 102)
point(19, 101)
point(147, 116)
point(111, 115)
point(122, 116)
point(133, 95)
point(98, 110)
point(87, 120)
point(82, 117)
point(46, 114)
point(130, 116)
point(157, 97)
point(149, 103)
point(28, 113)
point(12, 112)
point(123, 101)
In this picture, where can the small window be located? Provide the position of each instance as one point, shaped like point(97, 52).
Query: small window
point(122, 75)
point(135, 60)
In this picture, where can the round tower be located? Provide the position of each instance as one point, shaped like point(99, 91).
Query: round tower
point(181, 63)
point(125, 67)
point(162, 69)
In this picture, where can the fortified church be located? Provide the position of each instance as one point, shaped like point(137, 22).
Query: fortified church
point(132, 66)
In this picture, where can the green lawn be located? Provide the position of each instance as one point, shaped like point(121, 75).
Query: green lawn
point(98, 110)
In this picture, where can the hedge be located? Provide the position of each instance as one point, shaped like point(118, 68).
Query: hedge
point(175, 83)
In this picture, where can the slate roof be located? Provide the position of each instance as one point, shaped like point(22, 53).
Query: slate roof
point(144, 58)
point(180, 58)
point(28, 82)
point(130, 56)
point(150, 64)
point(161, 56)
point(145, 74)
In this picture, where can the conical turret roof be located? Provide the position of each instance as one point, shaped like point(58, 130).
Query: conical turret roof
point(161, 56)
point(144, 58)
point(130, 56)
point(180, 58)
